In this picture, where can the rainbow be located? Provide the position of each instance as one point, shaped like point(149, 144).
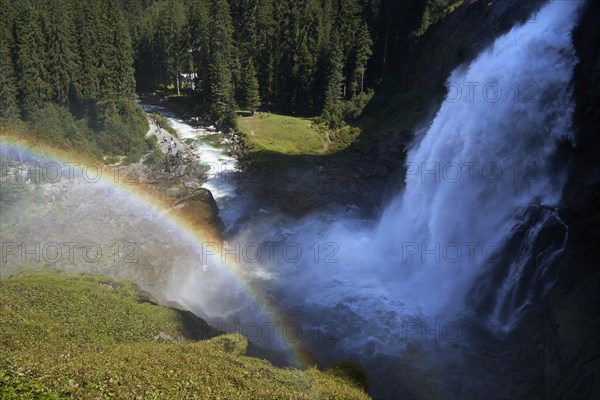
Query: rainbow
point(36, 148)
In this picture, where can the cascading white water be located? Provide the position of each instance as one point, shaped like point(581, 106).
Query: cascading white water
point(485, 157)
point(220, 167)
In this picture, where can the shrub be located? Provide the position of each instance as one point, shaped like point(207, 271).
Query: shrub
point(56, 124)
point(154, 157)
point(352, 372)
point(346, 111)
point(123, 127)
point(152, 142)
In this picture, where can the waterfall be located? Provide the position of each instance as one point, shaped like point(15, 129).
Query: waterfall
point(487, 155)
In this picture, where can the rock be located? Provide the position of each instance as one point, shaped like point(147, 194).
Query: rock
point(296, 203)
point(192, 185)
point(164, 337)
point(201, 210)
point(381, 171)
point(173, 192)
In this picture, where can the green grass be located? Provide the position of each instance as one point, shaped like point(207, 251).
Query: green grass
point(282, 134)
point(80, 337)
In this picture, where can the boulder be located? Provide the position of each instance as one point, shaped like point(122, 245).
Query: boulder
point(192, 185)
point(201, 210)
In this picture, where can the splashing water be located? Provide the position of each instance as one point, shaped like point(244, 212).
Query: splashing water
point(486, 156)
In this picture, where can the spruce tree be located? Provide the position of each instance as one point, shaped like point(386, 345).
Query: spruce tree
point(308, 45)
point(250, 89)
point(116, 72)
point(31, 65)
point(88, 48)
point(362, 53)
point(199, 35)
point(220, 63)
point(335, 77)
point(175, 39)
point(266, 32)
point(9, 109)
point(245, 40)
point(8, 89)
point(221, 88)
point(61, 47)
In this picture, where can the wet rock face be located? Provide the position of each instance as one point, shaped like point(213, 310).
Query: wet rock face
point(570, 316)
point(582, 189)
point(460, 38)
point(559, 359)
point(553, 351)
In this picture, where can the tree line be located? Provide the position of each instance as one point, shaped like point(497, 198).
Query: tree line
point(309, 57)
point(84, 60)
point(66, 70)
point(295, 56)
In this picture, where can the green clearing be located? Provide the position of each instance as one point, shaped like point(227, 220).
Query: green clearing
point(81, 337)
point(282, 134)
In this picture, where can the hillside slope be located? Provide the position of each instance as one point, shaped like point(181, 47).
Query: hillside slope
point(90, 337)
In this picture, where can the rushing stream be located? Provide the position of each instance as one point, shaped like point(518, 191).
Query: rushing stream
point(222, 169)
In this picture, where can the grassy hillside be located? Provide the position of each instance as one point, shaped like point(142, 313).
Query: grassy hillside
point(282, 134)
point(267, 134)
point(88, 337)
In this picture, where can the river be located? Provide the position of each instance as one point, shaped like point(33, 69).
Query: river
point(211, 147)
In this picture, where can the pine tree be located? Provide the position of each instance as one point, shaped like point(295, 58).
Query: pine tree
point(220, 74)
point(31, 65)
point(63, 63)
point(9, 109)
point(362, 53)
point(335, 77)
point(250, 88)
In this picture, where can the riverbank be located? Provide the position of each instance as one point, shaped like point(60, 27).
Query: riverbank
point(303, 166)
point(175, 177)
